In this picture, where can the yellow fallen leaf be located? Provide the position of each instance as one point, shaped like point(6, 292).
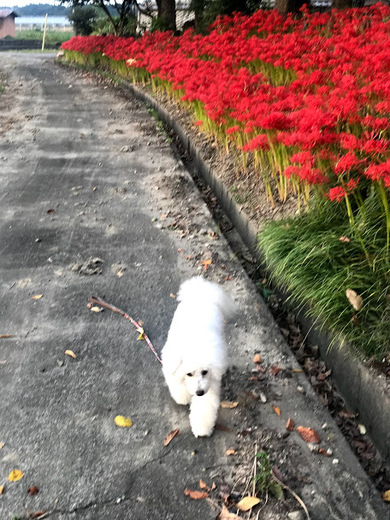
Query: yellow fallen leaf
point(37, 297)
point(1, 490)
point(386, 496)
point(95, 308)
point(70, 353)
point(277, 410)
point(354, 299)
point(141, 333)
point(229, 404)
point(15, 475)
point(123, 422)
point(247, 503)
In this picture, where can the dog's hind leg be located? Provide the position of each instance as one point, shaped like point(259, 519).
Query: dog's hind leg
point(204, 411)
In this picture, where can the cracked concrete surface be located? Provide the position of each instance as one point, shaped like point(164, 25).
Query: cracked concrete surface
point(86, 174)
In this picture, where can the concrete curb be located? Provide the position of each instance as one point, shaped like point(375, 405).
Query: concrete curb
point(365, 392)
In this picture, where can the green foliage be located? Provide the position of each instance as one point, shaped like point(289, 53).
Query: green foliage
point(83, 19)
point(264, 480)
point(206, 11)
point(52, 37)
point(317, 257)
point(42, 9)
point(103, 26)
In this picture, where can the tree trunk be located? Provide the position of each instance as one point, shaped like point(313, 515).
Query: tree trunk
point(290, 6)
point(341, 4)
point(167, 13)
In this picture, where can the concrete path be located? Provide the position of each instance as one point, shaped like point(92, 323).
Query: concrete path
point(89, 183)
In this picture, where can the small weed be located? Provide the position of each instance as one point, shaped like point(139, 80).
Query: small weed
point(264, 481)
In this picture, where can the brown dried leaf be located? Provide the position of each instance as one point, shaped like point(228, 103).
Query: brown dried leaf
point(309, 435)
point(33, 490)
point(195, 495)
point(275, 369)
point(290, 424)
point(203, 485)
point(229, 404)
point(170, 436)
point(277, 410)
point(225, 514)
point(354, 299)
point(247, 503)
point(257, 359)
point(6, 336)
point(222, 428)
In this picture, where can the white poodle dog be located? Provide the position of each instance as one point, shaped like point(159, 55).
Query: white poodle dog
point(194, 356)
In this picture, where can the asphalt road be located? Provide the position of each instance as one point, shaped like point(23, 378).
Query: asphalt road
point(94, 202)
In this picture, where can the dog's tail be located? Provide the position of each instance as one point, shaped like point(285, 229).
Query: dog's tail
point(202, 290)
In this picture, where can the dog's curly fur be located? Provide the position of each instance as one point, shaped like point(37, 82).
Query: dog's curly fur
point(194, 357)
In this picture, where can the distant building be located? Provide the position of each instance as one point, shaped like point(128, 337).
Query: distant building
point(7, 23)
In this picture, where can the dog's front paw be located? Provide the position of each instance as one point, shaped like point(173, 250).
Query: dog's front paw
point(202, 431)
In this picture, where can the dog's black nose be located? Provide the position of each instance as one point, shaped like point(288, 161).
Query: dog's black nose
point(200, 392)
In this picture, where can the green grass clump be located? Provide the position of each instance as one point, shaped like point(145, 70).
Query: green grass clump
point(52, 36)
point(316, 257)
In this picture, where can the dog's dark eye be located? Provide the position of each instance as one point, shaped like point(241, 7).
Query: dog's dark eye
point(189, 374)
point(204, 372)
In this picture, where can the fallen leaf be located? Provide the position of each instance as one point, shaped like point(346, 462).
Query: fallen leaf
point(247, 503)
point(37, 297)
point(172, 295)
point(6, 336)
point(33, 490)
point(324, 375)
point(70, 353)
point(257, 359)
point(15, 475)
point(225, 514)
point(196, 495)
point(309, 435)
point(229, 404)
point(1, 490)
point(275, 369)
point(213, 486)
point(344, 239)
point(203, 485)
point(123, 422)
point(277, 410)
point(50, 211)
point(354, 299)
point(230, 451)
point(96, 309)
point(37, 514)
point(141, 333)
point(290, 424)
point(206, 263)
point(170, 436)
point(2, 444)
point(222, 428)
point(386, 496)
